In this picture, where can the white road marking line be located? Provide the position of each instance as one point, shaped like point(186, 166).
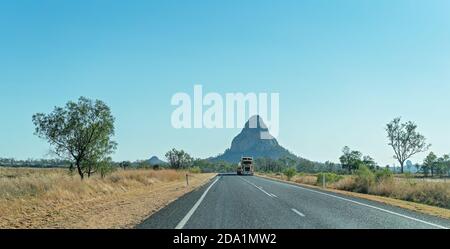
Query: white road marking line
point(274, 196)
point(191, 212)
point(370, 206)
point(297, 212)
point(257, 187)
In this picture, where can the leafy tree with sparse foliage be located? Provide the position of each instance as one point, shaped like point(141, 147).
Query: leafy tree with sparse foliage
point(405, 140)
point(350, 160)
point(80, 132)
point(268, 165)
point(370, 163)
point(443, 165)
point(178, 159)
point(331, 167)
point(429, 164)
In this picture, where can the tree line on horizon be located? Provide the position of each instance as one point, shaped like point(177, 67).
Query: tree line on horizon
point(80, 134)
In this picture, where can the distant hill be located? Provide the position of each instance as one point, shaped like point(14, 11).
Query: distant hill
point(249, 143)
point(154, 160)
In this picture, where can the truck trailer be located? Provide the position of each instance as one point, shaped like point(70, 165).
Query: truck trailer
point(245, 166)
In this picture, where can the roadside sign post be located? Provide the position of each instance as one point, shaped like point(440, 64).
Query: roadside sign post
point(323, 180)
point(187, 179)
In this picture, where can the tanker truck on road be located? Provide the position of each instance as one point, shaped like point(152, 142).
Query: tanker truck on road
point(245, 166)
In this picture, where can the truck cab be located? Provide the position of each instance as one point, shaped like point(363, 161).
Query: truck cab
point(245, 166)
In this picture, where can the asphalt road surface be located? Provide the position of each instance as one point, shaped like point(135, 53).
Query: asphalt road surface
point(251, 202)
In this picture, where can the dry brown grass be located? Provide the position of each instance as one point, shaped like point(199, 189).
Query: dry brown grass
point(430, 193)
point(299, 178)
point(44, 198)
point(305, 179)
point(345, 183)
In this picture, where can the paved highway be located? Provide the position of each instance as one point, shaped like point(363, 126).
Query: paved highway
point(251, 202)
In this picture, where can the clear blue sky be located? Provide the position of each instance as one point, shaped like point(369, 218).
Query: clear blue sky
point(343, 69)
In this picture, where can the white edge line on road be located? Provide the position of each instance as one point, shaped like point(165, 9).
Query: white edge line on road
point(297, 212)
point(254, 185)
point(191, 212)
point(366, 205)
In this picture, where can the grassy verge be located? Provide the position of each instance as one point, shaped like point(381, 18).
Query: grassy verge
point(311, 182)
point(51, 198)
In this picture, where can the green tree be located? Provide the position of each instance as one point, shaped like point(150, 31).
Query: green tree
point(125, 164)
point(271, 165)
point(80, 132)
point(178, 159)
point(370, 163)
point(350, 160)
point(443, 165)
point(418, 167)
point(405, 140)
point(429, 164)
point(330, 166)
point(286, 162)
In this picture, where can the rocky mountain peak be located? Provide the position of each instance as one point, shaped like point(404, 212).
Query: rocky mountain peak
point(250, 143)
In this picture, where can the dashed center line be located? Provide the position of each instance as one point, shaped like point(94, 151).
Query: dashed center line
point(297, 212)
point(271, 195)
point(256, 186)
point(360, 203)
